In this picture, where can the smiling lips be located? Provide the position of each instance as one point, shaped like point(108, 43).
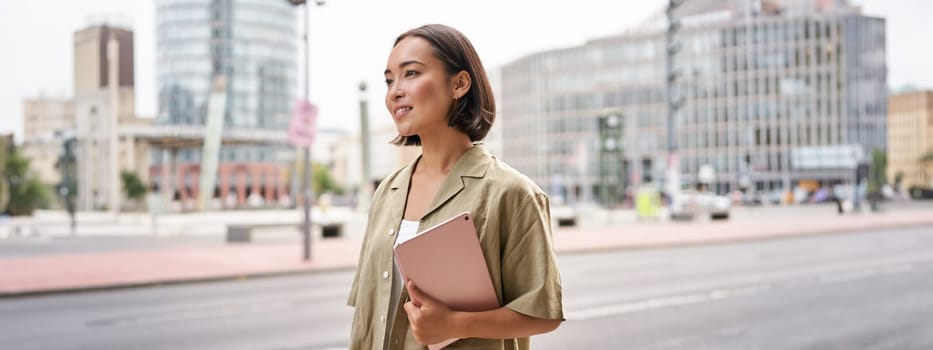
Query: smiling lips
point(401, 111)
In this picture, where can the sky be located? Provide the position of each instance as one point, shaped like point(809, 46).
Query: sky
point(351, 39)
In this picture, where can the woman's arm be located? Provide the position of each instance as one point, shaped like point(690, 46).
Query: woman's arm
point(432, 321)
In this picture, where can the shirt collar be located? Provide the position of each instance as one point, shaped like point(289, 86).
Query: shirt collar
point(473, 163)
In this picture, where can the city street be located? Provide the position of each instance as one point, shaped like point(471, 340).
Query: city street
point(866, 290)
point(714, 174)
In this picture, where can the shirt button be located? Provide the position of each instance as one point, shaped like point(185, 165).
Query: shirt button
point(385, 274)
point(383, 318)
point(391, 231)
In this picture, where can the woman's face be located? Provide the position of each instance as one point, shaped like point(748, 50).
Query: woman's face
point(419, 91)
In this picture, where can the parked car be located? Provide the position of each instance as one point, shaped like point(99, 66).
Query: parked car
point(917, 192)
point(689, 203)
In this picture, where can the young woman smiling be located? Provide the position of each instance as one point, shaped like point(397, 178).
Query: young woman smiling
point(439, 97)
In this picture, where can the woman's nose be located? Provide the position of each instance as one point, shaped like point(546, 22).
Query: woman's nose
point(396, 92)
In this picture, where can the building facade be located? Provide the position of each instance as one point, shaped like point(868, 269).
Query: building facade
point(104, 100)
point(348, 159)
point(46, 122)
point(767, 89)
point(252, 43)
point(910, 138)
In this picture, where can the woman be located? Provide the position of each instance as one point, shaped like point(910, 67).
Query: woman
point(439, 97)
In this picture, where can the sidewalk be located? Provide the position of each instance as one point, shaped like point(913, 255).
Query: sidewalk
point(76, 272)
point(52, 223)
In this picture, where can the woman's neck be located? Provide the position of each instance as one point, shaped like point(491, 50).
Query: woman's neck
point(440, 152)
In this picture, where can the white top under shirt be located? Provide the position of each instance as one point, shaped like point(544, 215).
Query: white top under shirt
point(407, 230)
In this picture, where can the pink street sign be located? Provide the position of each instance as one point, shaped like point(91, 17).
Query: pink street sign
point(303, 126)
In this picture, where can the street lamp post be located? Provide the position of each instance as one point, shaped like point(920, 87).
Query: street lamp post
point(366, 181)
point(306, 174)
point(673, 102)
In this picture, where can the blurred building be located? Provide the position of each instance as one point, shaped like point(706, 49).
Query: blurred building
point(252, 44)
point(322, 152)
point(322, 149)
point(46, 123)
point(762, 83)
point(493, 140)
point(910, 138)
point(386, 157)
point(6, 146)
point(104, 101)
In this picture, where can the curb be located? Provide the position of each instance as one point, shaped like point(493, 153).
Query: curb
point(769, 237)
point(180, 281)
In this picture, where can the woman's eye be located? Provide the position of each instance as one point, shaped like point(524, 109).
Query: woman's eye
point(410, 73)
point(389, 81)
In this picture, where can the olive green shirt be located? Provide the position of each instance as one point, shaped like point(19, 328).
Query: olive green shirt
point(512, 219)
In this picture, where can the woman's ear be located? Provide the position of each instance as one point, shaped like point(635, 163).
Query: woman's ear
point(461, 84)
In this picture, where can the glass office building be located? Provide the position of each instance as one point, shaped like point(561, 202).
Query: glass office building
point(774, 93)
point(252, 42)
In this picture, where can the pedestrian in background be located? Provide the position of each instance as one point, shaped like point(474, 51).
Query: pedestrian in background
point(440, 98)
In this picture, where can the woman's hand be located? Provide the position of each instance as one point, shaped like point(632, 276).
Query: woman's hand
point(429, 318)
point(433, 322)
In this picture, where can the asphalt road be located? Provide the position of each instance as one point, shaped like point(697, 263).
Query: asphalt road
point(868, 290)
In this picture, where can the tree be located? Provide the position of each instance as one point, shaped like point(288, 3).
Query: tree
point(898, 180)
point(133, 187)
point(879, 168)
point(928, 157)
point(5, 147)
point(924, 164)
point(26, 192)
point(323, 181)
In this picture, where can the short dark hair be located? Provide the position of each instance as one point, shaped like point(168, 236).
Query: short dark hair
point(474, 113)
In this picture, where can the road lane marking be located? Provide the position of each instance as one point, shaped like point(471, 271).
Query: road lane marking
point(231, 309)
point(844, 275)
point(664, 302)
point(862, 274)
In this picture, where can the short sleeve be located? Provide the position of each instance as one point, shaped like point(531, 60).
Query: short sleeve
point(530, 278)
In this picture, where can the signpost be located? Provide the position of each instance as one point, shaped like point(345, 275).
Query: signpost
point(302, 129)
point(303, 126)
point(301, 132)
